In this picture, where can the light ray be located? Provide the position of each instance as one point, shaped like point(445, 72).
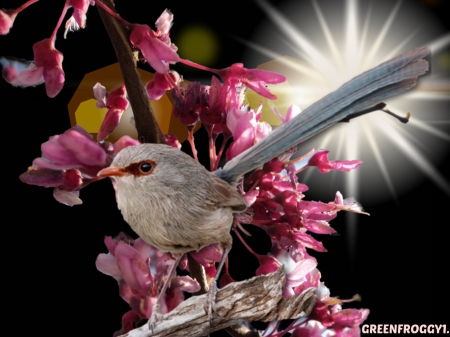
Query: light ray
point(439, 44)
point(328, 36)
point(351, 32)
point(379, 159)
point(365, 31)
point(417, 158)
point(430, 129)
point(315, 56)
point(400, 46)
point(376, 46)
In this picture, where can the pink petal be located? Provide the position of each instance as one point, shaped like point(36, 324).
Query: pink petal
point(69, 198)
point(164, 22)
point(309, 242)
point(233, 117)
point(319, 227)
point(72, 179)
point(267, 76)
point(109, 124)
point(124, 257)
point(84, 149)
point(111, 244)
point(292, 112)
point(185, 283)
point(124, 142)
point(30, 77)
point(268, 265)
point(107, 264)
point(44, 177)
point(154, 50)
point(208, 255)
point(100, 95)
point(7, 18)
point(259, 88)
point(142, 248)
point(349, 318)
point(157, 87)
point(53, 151)
point(173, 141)
point(54, 80)
point(117, 99)
point(262, 130)
point(301, 269)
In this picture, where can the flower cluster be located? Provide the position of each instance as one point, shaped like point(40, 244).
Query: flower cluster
point(140, 271)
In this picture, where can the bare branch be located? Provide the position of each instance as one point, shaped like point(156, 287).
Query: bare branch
point(257, 299)
point(146, 124)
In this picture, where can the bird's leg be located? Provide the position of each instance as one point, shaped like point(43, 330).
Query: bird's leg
point(210, 304)
point(377, 107)
point(156, 310)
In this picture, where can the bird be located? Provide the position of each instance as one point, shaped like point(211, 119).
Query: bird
point(176, 205)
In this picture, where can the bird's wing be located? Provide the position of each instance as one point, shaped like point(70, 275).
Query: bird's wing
point(222, 194)
point(389, 78)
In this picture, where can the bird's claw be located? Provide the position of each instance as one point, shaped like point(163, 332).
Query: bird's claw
point(154, 318)
point(210, 304)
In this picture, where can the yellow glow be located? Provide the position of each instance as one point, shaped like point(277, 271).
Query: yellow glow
point(198, 44)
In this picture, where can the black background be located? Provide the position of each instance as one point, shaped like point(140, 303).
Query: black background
point(49, 277)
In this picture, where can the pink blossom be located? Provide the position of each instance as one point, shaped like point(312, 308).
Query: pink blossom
point(70, 162)
point(173, 141)
point(236, 75)
point(185, 104)
point(7, 18)
point(320, 159)
point(116, 104)
point(48, 60)
point(21, 73)
point(123, 142)
point(158, 86)
point(214, 99)
point(156, 46)
point(246, 130)
point(292, 112)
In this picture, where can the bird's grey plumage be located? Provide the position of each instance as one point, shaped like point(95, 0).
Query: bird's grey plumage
point(389, 78)
point(180, 206)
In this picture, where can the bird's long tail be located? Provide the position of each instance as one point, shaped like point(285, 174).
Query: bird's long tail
point(388, 79)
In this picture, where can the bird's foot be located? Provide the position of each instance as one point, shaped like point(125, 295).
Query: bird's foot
point(210, 304)
point(155, 318)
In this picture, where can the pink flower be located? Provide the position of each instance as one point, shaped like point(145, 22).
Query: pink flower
point(70, 162)
point(157, 87)
point(116, 103)
point(156, 46)
point(173, 141)
point(214, 99)
point(255, 79)
point(320, 159)
point(246, 130)
point(49, 60)
point(123, 142)
point(7, 18)
point(21, 73)
point(185, 104)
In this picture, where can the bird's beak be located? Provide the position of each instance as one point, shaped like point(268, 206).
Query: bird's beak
point(111, 172)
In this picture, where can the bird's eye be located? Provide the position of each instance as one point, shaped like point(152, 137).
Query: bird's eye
point(146, 167)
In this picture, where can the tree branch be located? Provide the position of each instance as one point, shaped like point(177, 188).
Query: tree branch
point(146, 124)
point(257, 299)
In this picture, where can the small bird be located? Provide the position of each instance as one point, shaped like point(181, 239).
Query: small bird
point(174, 204)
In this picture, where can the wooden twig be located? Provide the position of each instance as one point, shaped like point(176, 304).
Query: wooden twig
point(257, 299)
point(146, 124)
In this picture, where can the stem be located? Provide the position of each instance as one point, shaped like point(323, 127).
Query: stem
point(212, 148)
point(146, 124)
point(114, 14)
point(198, 66)
point(224, 142)
point(63, 14)
point(245, 243)
point(25, 5)
point(191, 141)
